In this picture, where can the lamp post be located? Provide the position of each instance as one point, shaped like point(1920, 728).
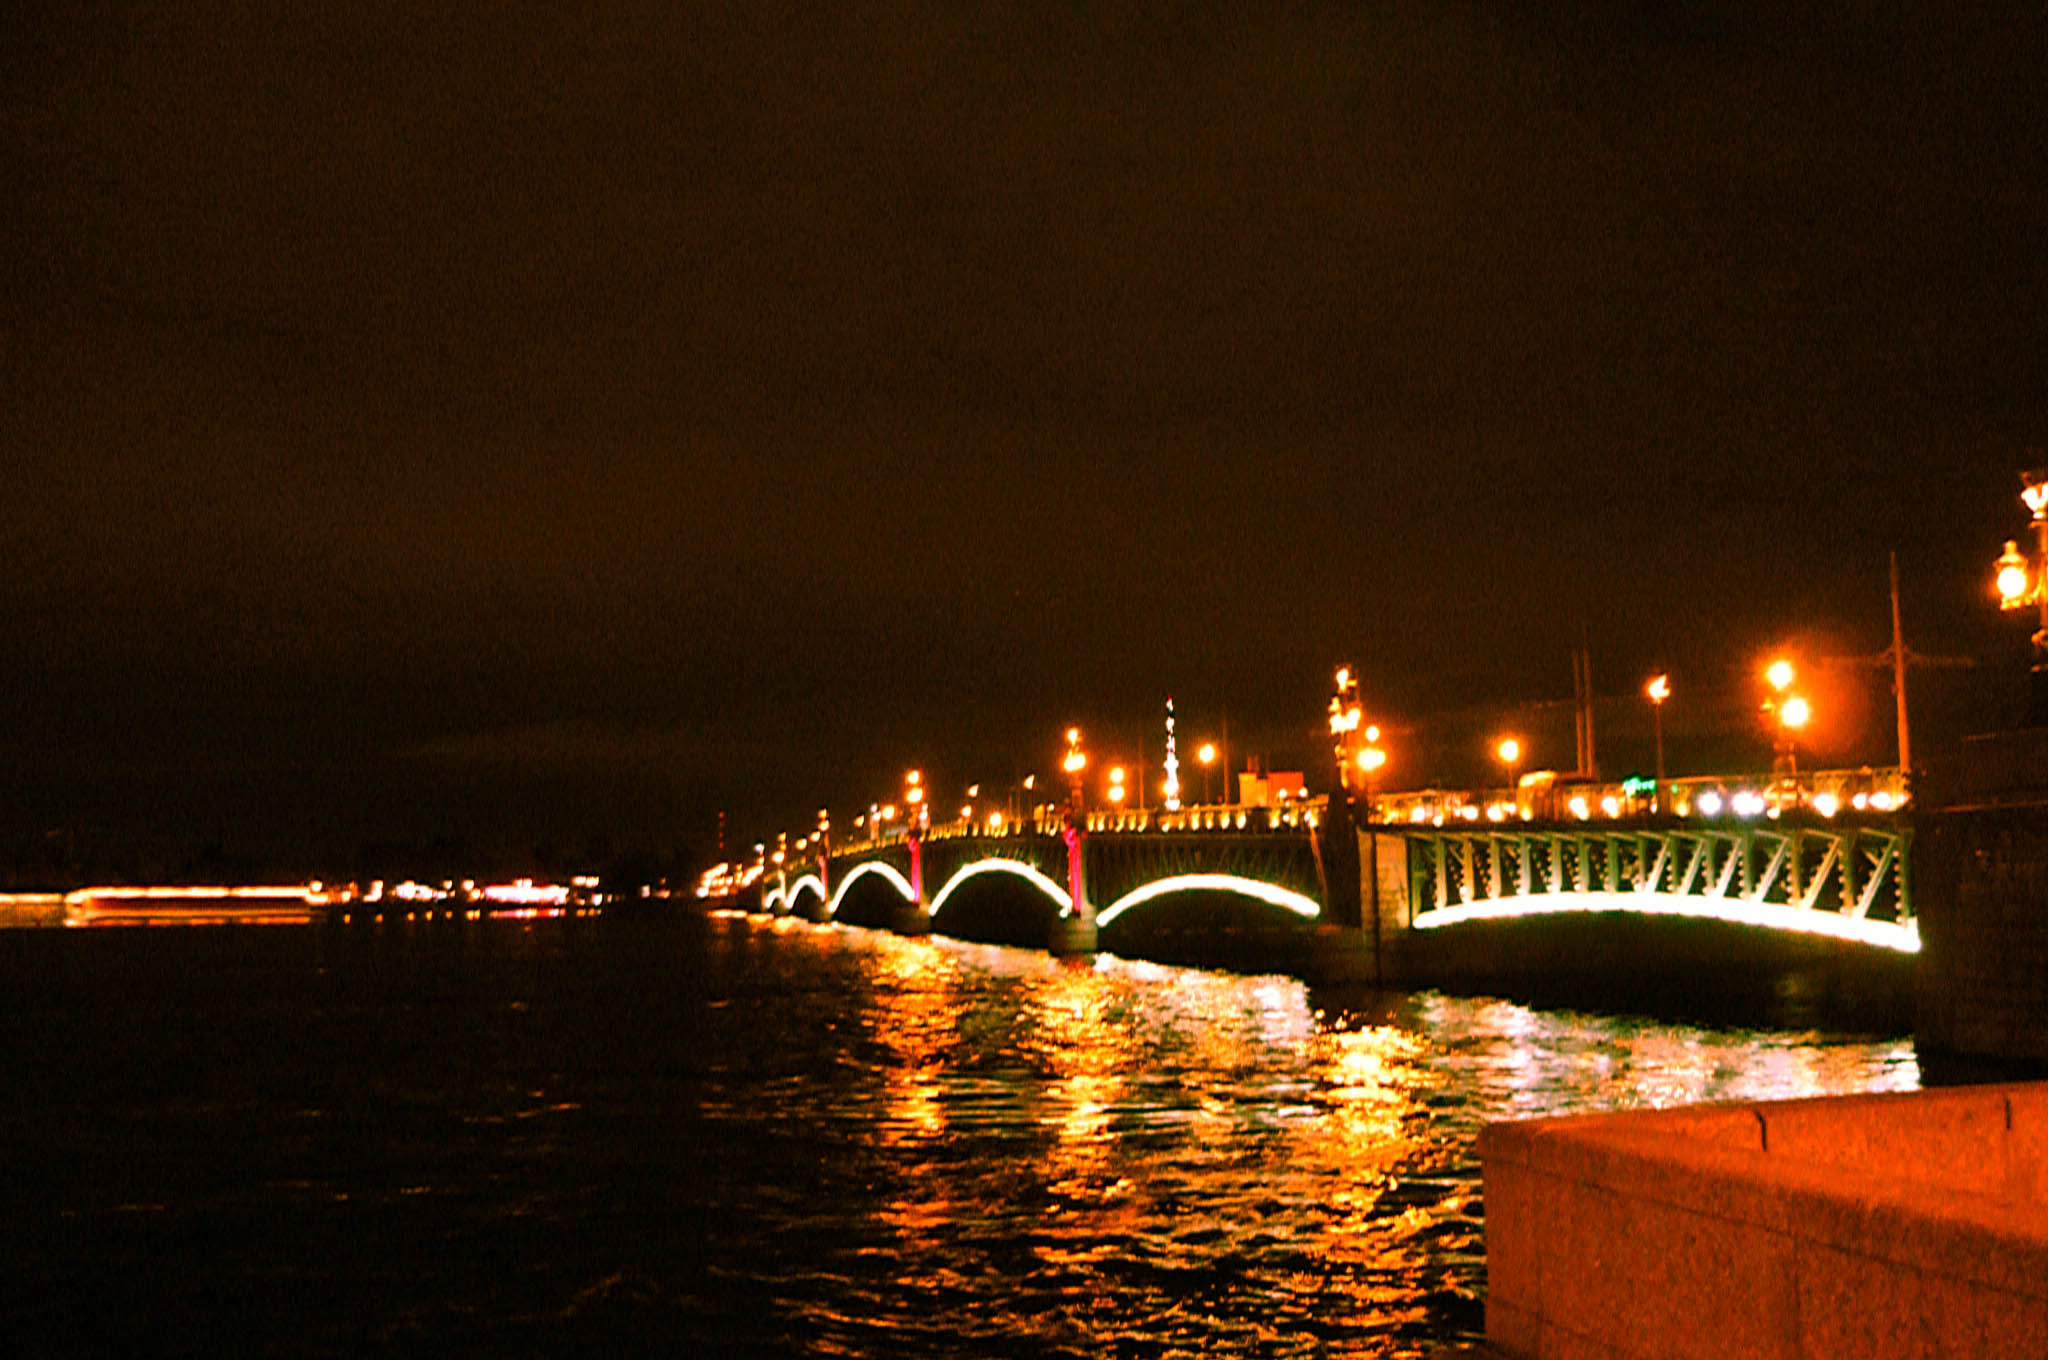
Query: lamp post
point(1344, 720)
point(1658, 690)
point(1075, 764)
point(1370, 760)
point(1206, 755)
point(913, 794)
point(1171, 789)
point(2022, 583)
point(1508, 750)
point(1789, 713)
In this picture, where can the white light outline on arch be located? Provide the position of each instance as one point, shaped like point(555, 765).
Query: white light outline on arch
point(1036, 876)
point(789, 892)
point(1230, 883)
point(873, 866)
point(1904, 937)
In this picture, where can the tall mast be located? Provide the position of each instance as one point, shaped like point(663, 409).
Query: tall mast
point(1899, 672)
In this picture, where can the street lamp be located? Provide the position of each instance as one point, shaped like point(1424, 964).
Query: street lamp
point(1207, 756)
point(2022, 584)
point(1508, 751)
point(1789, 713)
point(1370, 760)
point(1345, 716)
point(1658, 690)
point(913, 794)
point(1074, 764)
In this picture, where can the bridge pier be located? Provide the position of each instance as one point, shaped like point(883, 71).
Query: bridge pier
point(910, 918)
point(1342, 955)
point(1073, 932)
point(1372, 893)
point(914, 915)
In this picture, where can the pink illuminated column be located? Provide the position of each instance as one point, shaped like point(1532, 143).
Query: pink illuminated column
point(916, 844)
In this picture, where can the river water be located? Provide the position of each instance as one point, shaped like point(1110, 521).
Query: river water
point(732, 1136)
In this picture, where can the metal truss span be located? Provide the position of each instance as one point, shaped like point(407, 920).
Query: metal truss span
point(1848, 883)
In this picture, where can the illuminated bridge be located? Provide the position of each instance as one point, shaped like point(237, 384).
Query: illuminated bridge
point(1439, 900)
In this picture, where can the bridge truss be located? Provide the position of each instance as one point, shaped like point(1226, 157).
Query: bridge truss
point(1850, 882)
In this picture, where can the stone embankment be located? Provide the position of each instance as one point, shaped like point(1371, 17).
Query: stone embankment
point(1882, 1226)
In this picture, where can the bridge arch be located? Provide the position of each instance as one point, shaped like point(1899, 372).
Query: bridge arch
point(1272, 894)
point(784, 895)
point(854, 875)
point(1031, 874)
point(809, 883)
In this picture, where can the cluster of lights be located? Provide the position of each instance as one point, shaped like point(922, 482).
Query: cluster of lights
point(2022, 583)
point(728, 880)
point(1793, 711)
point(1170, 790)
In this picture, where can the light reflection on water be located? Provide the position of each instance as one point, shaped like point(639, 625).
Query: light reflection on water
point(1172, 1159)
point(736, 1136)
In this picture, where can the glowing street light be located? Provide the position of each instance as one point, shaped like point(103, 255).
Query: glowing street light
point(1205, 755)
point(1789, 713)
point(2022, 584)
point(1170, 789)
point(1074, 764)
point(1658, 690)
point(1345, 718)
point(913, 797)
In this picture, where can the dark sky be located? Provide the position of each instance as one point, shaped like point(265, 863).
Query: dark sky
point(482, 421)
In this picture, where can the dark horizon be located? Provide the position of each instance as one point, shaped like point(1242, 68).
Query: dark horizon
point(547, 431)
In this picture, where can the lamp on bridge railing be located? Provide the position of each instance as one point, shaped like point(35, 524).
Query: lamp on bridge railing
point(1075, 764)
point(2023, 584)
point(1345, 716)
point(1370, 760)
point(1789, 712)
point(913, 795)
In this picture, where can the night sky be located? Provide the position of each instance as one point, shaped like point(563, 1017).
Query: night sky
point(538, 431)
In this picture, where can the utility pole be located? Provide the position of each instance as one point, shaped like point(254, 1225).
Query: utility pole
point(1582, 696)
point(1898, 657)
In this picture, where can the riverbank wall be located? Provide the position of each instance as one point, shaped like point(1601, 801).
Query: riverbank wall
point(1879, 1226)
